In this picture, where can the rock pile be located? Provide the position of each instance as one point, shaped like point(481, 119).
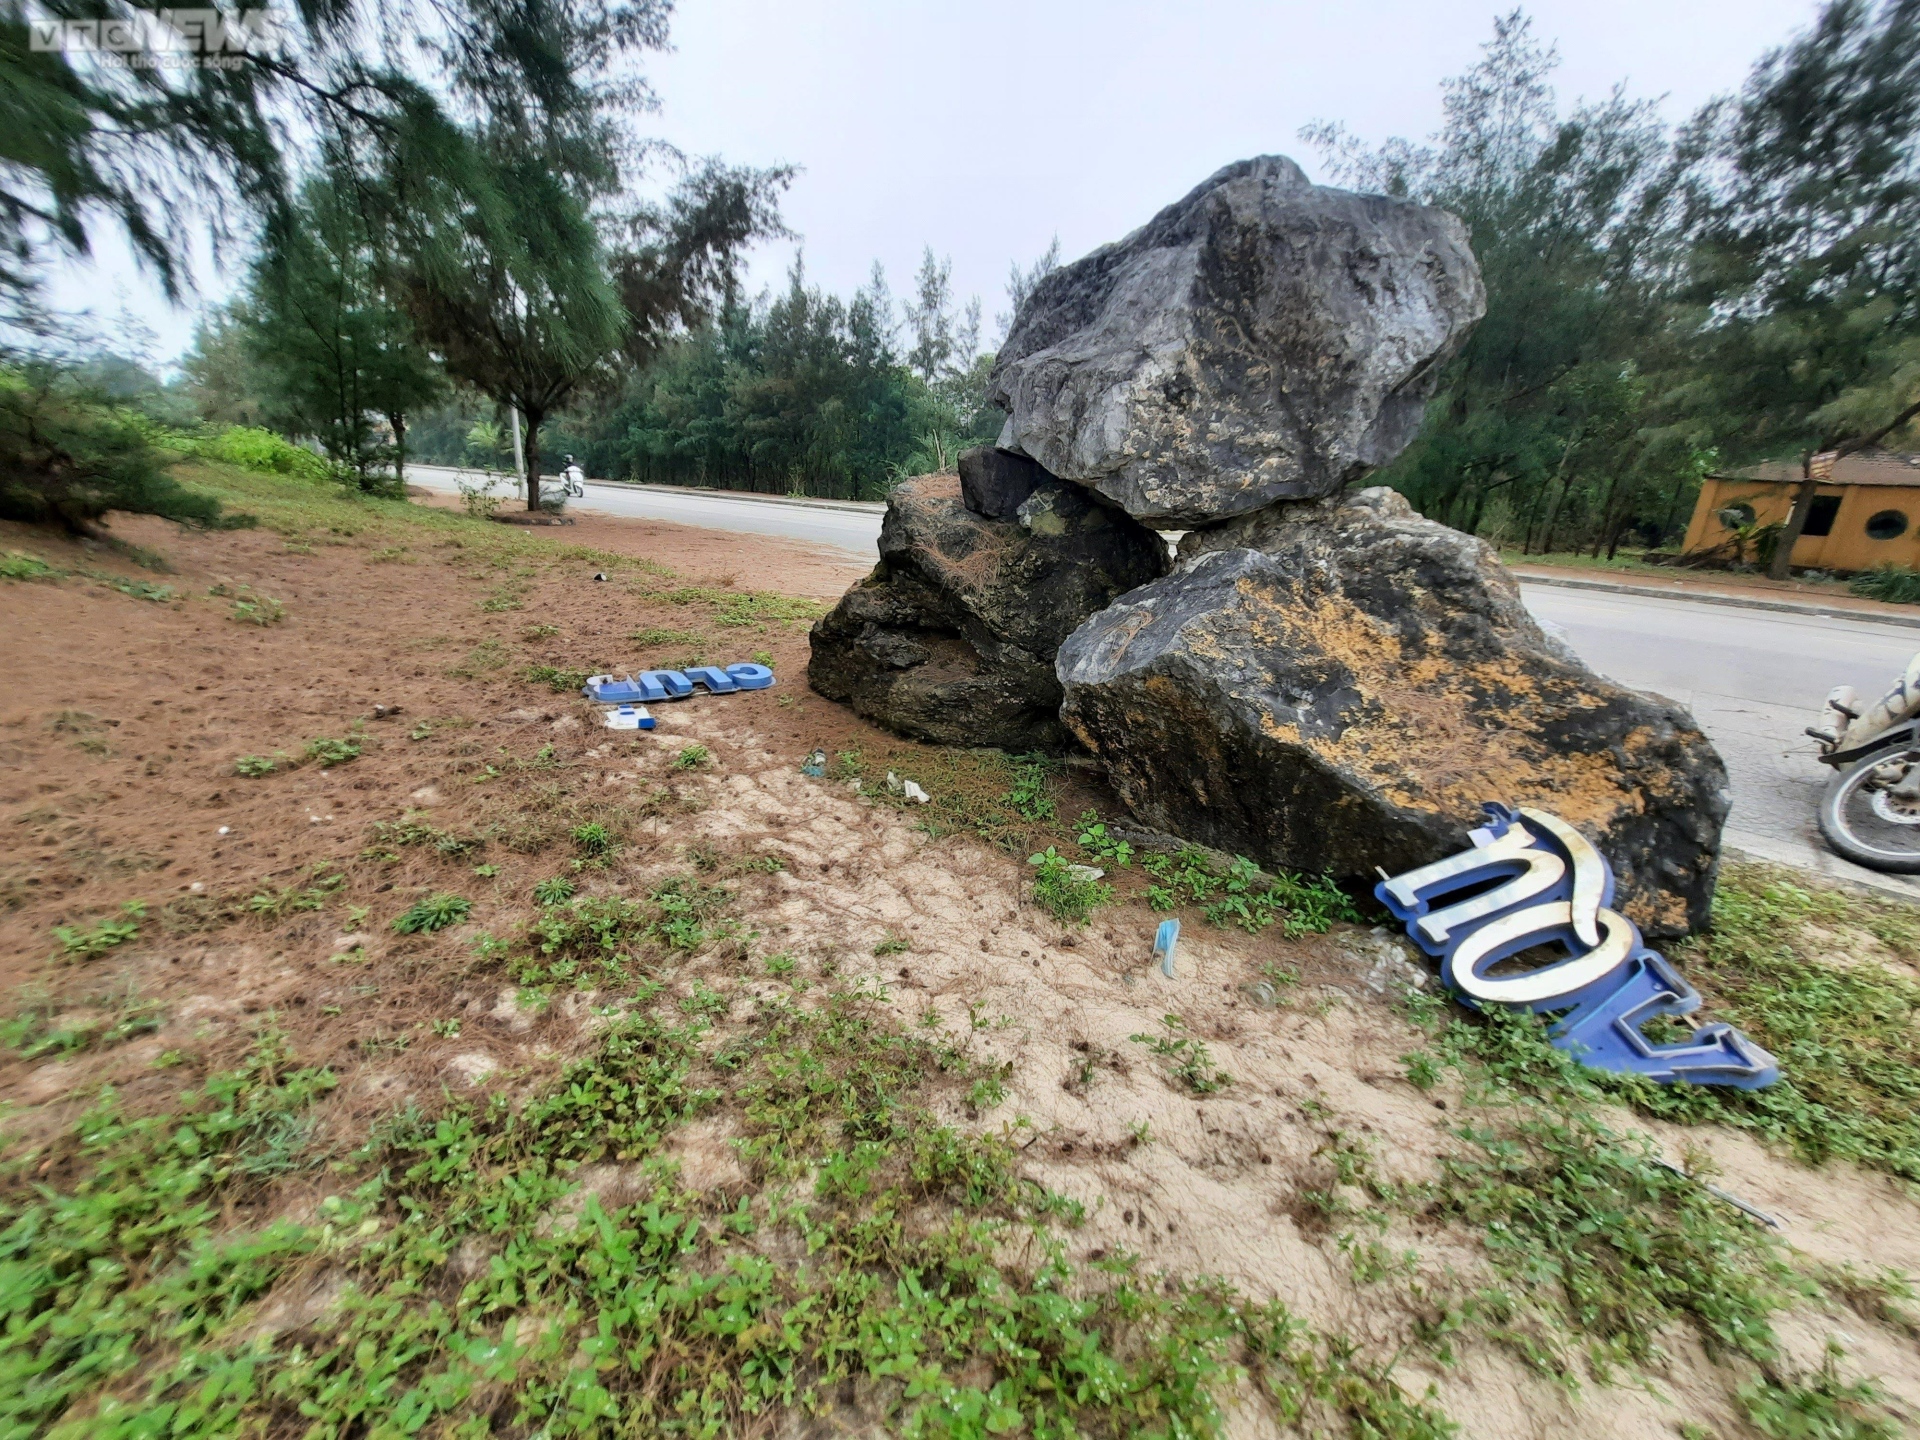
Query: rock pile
point(1323, 682)
point(1338, 685)
point(1263, 339)
point(952, 637)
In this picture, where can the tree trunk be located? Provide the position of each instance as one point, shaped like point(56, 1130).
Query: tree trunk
point(1553, 520)
point(1608, 523)
point(531, 444)
point(1556, 492)
point(1778, 567)
point(1533, 514)
point(1673, 504)
point(1613, 539)
point(399, 423)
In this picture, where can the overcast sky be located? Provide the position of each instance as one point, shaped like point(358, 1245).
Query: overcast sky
point(986, 127)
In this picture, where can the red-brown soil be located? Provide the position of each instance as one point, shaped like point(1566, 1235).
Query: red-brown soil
point(124, 717)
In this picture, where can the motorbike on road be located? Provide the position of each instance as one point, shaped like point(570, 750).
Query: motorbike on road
point(1870, 812)
point(569, 485)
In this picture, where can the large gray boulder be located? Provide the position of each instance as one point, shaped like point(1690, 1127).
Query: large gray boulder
point(952, 637)
point(996, 482)
point(1263, 339)
point(1338, 686)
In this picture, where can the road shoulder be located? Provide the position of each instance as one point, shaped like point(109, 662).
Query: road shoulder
point(1835, 607)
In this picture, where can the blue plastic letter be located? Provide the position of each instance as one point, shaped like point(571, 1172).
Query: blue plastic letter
point(1531, 883)
point(671, 684)
point(750, 677)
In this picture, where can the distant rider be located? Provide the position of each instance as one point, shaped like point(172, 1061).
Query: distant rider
point(574, 478)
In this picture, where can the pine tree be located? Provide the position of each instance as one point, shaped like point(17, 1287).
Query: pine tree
point(329, 349)
point(1020, 284)
point(930, 318)
point(1806, 267)
point(1562, 211)
point(515, 256)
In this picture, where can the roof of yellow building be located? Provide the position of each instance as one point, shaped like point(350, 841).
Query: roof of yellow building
point(1873, 467)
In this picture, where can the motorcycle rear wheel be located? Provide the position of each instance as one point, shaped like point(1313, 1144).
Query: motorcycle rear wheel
point(1861, 830)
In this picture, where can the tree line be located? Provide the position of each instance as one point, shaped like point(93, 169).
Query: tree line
point(456, 246)
point(802, 393)
point(1662, 302)
point(440, 194)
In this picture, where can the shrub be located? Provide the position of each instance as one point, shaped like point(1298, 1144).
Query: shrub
point(66, 460)
point(480, 500)
point(262, 451)
point(1898, 584)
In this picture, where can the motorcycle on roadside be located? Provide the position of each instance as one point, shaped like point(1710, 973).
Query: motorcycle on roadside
point(1870, 812)
point(570, 485)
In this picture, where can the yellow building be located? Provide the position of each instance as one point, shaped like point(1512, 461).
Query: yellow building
point(1866, 514)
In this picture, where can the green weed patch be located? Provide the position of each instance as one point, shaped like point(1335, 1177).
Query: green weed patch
point(561, 682)
point(127, 1261)
point(1068, 897)
point(738, 608)
point(1848, 1039)
point(20, 565)
point(1238, 894)
point(1002, 799)
point(673, 1311)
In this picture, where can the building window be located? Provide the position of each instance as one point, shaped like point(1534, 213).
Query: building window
point(1887, 525)
point(1820, 517)
point(1732, 517)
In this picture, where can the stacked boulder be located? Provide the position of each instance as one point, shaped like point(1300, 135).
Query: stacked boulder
point(1324, 680)
point(953, 636)
point(1338, 685)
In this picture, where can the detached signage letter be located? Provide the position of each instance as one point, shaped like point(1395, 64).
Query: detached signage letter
point(1531, 880)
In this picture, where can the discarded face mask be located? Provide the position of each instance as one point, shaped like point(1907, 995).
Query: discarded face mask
point(654, 687)
point(815, 764)
point(1165, 940)
point(1605, 987)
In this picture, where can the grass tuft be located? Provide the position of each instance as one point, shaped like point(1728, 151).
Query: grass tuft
point(1068, 897)
point(434, 912)
point(1847, 1036)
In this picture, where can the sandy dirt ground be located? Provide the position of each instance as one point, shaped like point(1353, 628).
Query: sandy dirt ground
point(122, 720)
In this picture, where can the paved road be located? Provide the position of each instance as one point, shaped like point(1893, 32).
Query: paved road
point(1753, 678)
point(844, 528)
